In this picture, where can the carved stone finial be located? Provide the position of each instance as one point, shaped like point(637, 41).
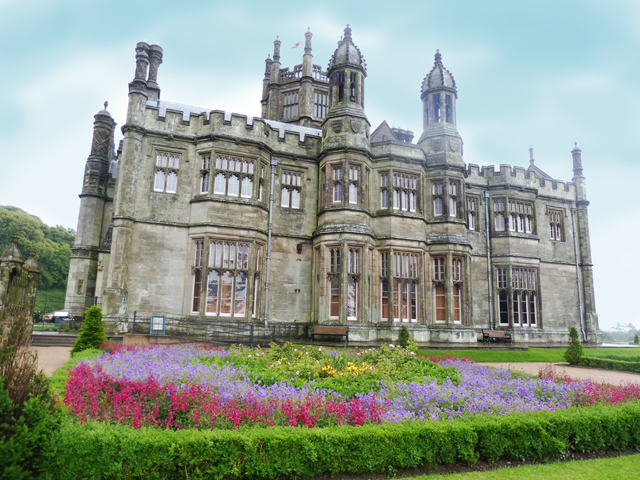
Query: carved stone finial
point(438, 56)
point(531, 160)
point(106, 104)
point(14, 238)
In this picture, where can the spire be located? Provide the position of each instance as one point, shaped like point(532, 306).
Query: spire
point(439, 76)
point(347, 54)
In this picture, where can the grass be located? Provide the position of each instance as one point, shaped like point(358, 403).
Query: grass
point(531, 355)
point(48, 301)
point(619, 468)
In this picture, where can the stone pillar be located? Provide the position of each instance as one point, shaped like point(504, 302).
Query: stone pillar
point(265, 87)
point(155, 59)
point(584, 246)
point(129, 170)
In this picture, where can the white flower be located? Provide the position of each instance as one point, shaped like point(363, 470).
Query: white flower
point(297, 372)
point(250, 356)
point(411, 353)
point(391, 345)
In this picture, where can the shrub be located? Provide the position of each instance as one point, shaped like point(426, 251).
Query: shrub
point(98, 450)
point(92, 333)
point(636, 339)
point(403, 337)
point(610, 364)
point(574, 352)
point(28, 413)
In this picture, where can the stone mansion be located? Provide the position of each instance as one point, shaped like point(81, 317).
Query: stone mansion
point(308, 216)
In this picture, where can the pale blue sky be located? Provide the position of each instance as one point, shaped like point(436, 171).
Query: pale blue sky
point(542, 73)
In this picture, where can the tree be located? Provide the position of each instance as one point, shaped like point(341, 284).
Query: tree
point(403, 337)
point(636, 340)
point(574, 352)
point(92, 332)
point(52, 244)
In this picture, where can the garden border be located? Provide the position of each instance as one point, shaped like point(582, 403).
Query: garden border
point(100, 451)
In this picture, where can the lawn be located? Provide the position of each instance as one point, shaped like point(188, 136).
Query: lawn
point(620, 468)
point(531, 355)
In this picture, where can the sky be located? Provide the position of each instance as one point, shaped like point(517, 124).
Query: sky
point(540, 73)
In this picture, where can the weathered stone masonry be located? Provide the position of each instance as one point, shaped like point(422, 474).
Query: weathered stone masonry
point(369, 229)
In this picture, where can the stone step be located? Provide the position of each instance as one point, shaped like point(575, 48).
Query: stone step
point(53, 340)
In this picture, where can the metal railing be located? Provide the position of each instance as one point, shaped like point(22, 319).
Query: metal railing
point(202, 331)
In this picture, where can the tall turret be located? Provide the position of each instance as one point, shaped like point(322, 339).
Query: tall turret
point(94, 198)
point(298, 95)
point(440, 139)
point(346, 123)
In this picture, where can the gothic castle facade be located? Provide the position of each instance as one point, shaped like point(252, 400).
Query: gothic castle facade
point(308, 216)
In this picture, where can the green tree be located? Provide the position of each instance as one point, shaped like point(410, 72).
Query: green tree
point(52, 244)
point(574, 352)
point(403, 337)
point(92, 332)
point(636, 340)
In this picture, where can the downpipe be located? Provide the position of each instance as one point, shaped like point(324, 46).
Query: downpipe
point(274, 164)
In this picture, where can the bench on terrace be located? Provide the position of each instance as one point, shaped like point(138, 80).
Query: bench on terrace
point(331, 330)
point(491, 335)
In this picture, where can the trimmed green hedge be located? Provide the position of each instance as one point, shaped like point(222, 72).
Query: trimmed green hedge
point(101, 451)
point(610, 364)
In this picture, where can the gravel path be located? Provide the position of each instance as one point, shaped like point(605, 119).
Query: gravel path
point(596, 374)
point(51, 358)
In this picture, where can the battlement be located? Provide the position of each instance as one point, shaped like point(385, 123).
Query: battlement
point(519, 177)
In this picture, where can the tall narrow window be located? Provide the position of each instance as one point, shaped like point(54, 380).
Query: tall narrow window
point(198, 261)
point(320, 105)
point(440, 304)
point(291, 185)
point(290, 104)
point(205, 174)
point(449, 108)
point(555, 222)
point(405, 192)
point(226, 288)
point(498, 211)
point(166, 176)
point(354, 182)
point(438, 202)
point(517, 298)
point(471, 213)
point(337, 184)
point(453, 199)
point(520, 216)
point(405, 273)
point(353, 268)
point(436, 107)
point(457, 303)
point(384, 190)
point(234, 176)
point(385, 299)
point(335, 254)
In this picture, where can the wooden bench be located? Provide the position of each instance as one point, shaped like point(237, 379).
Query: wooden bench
point(489, 335)
point(331, 330)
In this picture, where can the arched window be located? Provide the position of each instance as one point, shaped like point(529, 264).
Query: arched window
point(353, 193)
point(437, 206)
point(457, 304)
point(440, 304)
point(284, 197)
point(337, 193)
point(247, 187)
point(172, 182)
point(204, 185)
point(295, 199)
point(234, 186)
point(220, 184)
point(159, 183)
point(384, 198)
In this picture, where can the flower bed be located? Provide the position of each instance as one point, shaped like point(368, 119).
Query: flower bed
point(188, 387)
